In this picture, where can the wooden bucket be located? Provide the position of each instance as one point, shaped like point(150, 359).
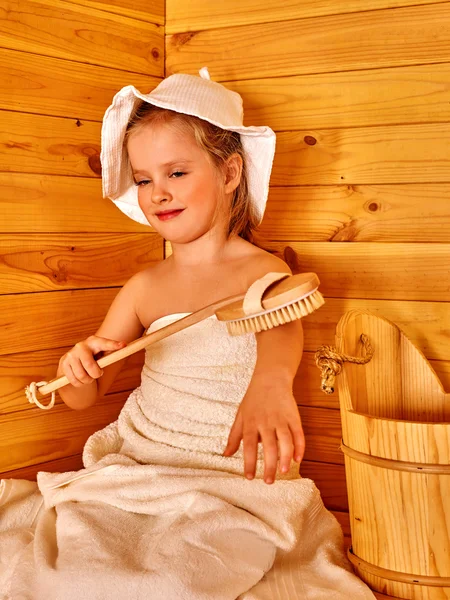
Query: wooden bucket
point(396, 440)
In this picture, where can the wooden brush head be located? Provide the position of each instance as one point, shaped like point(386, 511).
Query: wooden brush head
point(291, 289)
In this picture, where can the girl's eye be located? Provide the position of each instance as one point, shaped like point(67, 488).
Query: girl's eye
point(140, 183)
point(178, 173)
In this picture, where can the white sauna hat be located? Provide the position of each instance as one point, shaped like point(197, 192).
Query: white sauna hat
point(191, 95)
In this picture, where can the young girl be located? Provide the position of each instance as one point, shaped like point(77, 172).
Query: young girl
point(162, 509)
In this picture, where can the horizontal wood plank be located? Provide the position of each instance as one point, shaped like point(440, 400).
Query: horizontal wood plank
point(376, 271)
point(34, 203)
point(59, 465)
point(49, 145)
point(51, 86)
point(330, 480)
point(334, 43)
point(204, 14)
point(363, 155)
point(388, 154)
point(376, 96)
point(358, 213)
point(41, 436)
point(152, 12)
point(47, 262)
point(19, 370)
point(425, 323)
point(323, 434)
point(32, 437)
point(84, 34)
point(343, 520)
point(44, 320)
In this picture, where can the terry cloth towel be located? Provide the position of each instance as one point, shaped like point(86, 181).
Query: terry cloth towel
point(159, 513)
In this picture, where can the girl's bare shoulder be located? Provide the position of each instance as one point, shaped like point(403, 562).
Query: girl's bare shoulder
point(258, 262)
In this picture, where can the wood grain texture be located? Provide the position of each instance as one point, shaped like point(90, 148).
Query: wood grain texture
point(51, 86)
point(33, 203)
point(45, 320)
point(59, 465)
point(364, 155)
point(84, 34)
point(202, 14)
point(308, 392)
point(376, 271)
point(40, 436)
point(358, 213)
point(330, 480)
point(414, 318)
point(368, 97)
point(394, 408)
point(49, 145)
point(327, 44)
point(47, 262)
point(19, 370)
point(323, 434)
point(151, 12)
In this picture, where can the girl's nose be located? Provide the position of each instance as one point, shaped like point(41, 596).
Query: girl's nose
point(159, 194)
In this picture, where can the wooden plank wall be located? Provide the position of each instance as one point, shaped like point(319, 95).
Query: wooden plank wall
point(360, 101)
point(64, 251)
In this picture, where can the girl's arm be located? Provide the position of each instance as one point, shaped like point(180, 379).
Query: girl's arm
point(120, 326)
point(268, 411)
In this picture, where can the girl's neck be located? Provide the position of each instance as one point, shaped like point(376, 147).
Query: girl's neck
point(206, 251)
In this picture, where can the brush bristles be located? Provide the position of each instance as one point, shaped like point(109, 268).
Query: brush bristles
point(279, 316)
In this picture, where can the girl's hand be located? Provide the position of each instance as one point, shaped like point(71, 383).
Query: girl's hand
point(267, 413)
point(79, 365)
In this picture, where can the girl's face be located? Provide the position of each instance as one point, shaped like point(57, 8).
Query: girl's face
point(178, 187)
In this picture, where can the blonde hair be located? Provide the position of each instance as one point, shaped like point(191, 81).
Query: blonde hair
point(219, 144)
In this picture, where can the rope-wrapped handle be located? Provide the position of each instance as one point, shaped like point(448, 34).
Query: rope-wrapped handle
point(330, 362)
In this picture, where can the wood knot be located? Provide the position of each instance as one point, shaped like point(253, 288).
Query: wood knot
point(310, 140)
point(180, 39)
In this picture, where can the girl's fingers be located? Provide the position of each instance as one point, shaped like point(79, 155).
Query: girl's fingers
point(270, 447)
point(79, 371)
point(250, 452)
point(286, 448)
point(235, 436)
point(68, 372)
point(98, 344)
point(299, 442)
point(90, 365)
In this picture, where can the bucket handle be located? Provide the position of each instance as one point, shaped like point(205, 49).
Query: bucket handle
point(329, 360)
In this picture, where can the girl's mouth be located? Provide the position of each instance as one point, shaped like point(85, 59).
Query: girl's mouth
point(165, 216)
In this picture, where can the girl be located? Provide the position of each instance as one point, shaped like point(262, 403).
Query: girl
point(162, 509)
point(192, 182)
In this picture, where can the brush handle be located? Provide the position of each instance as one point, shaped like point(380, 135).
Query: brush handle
point(147, 340)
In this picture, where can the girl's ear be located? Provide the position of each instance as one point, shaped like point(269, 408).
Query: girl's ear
point(233, 171)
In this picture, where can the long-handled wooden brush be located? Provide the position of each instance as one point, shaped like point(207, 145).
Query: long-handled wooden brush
point(272, 300)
